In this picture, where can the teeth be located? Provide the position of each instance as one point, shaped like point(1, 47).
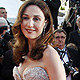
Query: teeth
point(29, 30)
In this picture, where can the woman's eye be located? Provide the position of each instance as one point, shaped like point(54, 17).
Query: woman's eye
point(25, 18)
point(36, 19)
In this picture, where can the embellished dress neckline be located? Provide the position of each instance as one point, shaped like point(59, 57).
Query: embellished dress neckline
point(35, 73)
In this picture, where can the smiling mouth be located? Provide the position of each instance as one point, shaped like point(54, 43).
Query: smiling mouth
point(29, 30)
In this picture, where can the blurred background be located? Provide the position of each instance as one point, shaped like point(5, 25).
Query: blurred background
point(12, 7)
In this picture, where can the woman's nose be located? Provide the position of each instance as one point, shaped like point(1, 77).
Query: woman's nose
point(30, 23)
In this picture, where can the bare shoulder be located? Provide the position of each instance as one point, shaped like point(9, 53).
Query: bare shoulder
point(50, 55)
point(50, 51)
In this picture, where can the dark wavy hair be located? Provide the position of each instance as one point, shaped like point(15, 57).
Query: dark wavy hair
point(20, 47)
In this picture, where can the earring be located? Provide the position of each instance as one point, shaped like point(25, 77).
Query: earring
point(44, 30)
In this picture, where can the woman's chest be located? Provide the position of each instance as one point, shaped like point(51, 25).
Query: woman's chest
point(28, 64)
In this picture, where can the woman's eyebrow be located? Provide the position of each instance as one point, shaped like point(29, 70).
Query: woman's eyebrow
point(25, 14)
point(34, 15)
point(37, 16)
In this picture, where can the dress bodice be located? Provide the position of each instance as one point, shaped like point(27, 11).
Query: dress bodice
point(35, 73)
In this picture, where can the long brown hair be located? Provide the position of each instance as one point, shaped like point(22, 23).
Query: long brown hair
point(20, 47)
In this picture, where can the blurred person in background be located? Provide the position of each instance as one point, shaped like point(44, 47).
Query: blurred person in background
point(54, 7)
point(4, 35)
point(4, 38)
point(72, 45)
point(3, 29)
point(74, 36)
point(69, 56)
point(3, 13)
point(69, 23)
point(7, 66)
point(6, 62)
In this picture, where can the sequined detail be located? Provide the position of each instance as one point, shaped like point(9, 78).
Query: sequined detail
point(36, 73)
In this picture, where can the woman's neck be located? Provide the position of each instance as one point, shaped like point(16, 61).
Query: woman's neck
point(31, 44)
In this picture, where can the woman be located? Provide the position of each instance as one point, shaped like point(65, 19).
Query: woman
point(32, 31)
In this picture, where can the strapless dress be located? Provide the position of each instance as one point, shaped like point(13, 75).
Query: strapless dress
point(35, 73)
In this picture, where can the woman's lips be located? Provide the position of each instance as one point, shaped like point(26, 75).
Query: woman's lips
point(30, 30)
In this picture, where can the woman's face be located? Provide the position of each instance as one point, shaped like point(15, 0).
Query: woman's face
point(33, 22)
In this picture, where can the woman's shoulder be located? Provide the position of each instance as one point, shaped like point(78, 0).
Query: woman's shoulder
point(50, 51)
